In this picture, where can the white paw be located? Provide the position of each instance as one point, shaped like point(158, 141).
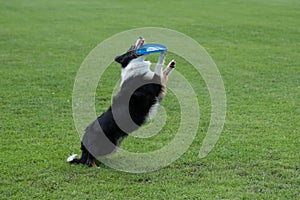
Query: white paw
point(71, 157)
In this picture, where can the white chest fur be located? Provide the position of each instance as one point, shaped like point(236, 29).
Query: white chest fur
point(135, 68)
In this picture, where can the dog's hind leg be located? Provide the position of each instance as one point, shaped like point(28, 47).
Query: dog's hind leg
point(82, 159)
point(86, 158)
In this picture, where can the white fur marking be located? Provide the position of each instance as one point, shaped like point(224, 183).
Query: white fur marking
point(136, 67)
point(71, 157)
point(153, 110)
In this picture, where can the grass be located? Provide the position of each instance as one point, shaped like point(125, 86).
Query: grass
point(255, 45)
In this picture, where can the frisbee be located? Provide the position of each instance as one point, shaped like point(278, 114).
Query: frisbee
point(151, 48)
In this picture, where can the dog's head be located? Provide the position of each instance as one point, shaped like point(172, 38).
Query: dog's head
point(131, 54)
point(133, 64)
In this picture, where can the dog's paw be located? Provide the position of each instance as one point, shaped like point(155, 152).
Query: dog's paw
point(172, 64)
point(71, 157)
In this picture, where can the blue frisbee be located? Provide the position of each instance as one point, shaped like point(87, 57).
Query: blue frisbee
point(151, 48)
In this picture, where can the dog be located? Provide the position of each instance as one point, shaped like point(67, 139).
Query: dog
point(141, 91)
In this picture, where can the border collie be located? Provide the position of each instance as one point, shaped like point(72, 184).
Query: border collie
point(141, 90)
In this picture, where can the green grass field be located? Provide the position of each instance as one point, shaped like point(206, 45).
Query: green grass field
point(255, 45)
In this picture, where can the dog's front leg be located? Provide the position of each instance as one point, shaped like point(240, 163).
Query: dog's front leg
point(160, 64)
point(169, 68)
point(164, 78)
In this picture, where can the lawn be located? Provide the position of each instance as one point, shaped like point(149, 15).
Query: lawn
point(255, 45)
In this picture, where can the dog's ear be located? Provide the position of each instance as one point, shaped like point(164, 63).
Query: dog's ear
point(126, 58)
point(119, 59)
point(123, 60)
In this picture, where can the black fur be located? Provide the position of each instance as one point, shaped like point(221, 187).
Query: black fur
point(127, 57)
point(103, 141)
point(129, 110)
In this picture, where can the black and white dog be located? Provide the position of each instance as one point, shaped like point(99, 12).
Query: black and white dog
point(141, 90)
